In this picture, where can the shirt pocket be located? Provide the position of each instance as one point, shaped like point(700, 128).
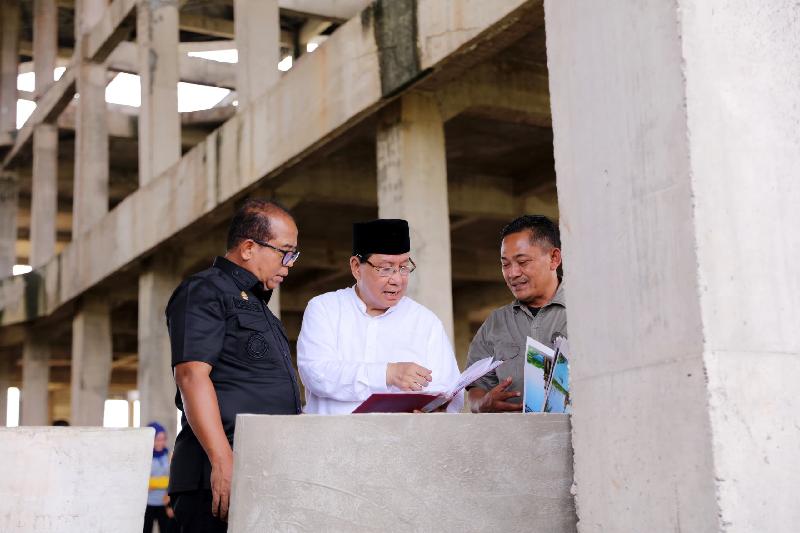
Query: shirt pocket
point(255, 339)
point(505, 351)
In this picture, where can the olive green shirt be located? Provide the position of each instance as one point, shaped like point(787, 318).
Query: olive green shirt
point(503, 337)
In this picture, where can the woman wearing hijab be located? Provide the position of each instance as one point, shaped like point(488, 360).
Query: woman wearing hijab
point(157, 499)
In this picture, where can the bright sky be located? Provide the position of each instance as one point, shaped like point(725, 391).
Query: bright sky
point(125, 88)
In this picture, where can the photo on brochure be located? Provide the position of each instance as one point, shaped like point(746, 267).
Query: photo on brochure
point(546, 377)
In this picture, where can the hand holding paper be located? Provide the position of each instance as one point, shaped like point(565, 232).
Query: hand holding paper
point(407, 402)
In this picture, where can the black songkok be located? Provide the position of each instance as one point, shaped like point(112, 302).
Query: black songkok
point(383, 236)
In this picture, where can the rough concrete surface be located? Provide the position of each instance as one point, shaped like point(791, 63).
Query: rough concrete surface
point(676, 133)
point(503, 472)
point(74, 479)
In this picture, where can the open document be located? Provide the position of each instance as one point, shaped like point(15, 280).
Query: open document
point(547, 377)
point(408, 402)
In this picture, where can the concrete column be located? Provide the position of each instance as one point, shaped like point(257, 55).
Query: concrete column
point(91, 361)
point(257, 26)
point(5, 383)
point(676, 154)
point(412, 184)
point(90, 196)
point(44, 197)
point(45, 42)
point(159, 122)
point(155, 381)
point(9, 59)
point(35, 378)
point(8, 222)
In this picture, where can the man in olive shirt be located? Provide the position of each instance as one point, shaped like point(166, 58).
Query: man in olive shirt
point(530, 255)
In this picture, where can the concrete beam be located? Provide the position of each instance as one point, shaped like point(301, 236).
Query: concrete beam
point(48, 108)
point(497, 89)
point(338, 10)
point(315, 101)
point(215, 27)
point(109, 31)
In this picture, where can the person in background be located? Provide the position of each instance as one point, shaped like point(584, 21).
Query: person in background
point(157, 500)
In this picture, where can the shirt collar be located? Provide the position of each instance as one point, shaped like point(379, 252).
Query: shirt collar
point(244, 279)
point(361, 306)
point(558, 299)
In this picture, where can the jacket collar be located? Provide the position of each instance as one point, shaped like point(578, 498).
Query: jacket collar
point(244, 279)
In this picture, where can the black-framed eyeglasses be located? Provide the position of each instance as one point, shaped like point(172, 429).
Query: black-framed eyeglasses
point(289, 256)
point(389, 271)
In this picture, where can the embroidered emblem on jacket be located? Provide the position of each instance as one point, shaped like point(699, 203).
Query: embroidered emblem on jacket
point(257, 346)
point(249, 306)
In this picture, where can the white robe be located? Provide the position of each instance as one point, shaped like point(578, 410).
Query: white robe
point(342, 351)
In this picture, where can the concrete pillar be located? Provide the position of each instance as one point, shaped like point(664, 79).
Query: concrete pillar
point(159, 122)
point(44, 197)
point(676, 154)
point(91, 361)
point(5, 383)
point(257, 26)
point(35, 378)
point(155, 381)
point(8, 222)
point(412, 184)
point(90, 196)
point(9, 59)
point(45, 42)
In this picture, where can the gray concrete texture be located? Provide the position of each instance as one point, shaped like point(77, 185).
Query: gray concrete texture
point(678, 192)
point(441, 472)
point(69, 480)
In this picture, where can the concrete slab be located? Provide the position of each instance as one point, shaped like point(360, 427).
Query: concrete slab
point(403, 473)
point(74, 479)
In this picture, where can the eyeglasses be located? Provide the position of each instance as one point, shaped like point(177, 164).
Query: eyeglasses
point(388, 272)
point(289, 256)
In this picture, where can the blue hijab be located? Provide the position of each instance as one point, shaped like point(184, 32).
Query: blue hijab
point(159, 429)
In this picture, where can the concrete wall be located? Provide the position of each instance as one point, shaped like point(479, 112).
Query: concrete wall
point(675, 134)
point(74, 479)
point(505, 472)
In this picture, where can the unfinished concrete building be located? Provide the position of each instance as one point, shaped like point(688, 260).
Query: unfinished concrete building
point(437, 111)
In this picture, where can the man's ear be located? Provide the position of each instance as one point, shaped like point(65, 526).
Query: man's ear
point(355, 269)
point(246, 249)
point(555, 258)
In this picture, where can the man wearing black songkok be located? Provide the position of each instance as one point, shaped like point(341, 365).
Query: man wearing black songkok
point(371, 337)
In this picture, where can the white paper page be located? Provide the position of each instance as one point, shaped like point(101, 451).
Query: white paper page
point(475, 371)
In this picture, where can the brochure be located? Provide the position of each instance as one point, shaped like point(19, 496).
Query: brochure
point(546, 377)
point(408, 402)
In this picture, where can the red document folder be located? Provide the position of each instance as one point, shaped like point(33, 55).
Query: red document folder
point(398, 402)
